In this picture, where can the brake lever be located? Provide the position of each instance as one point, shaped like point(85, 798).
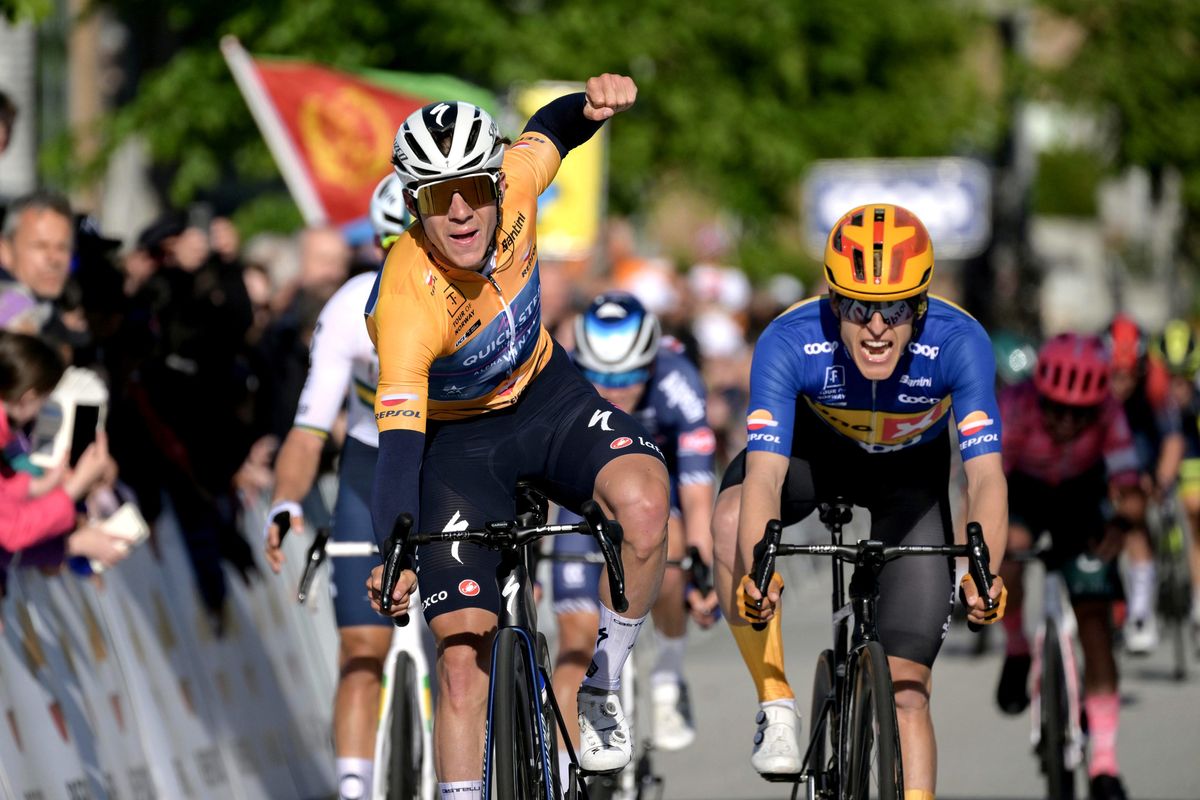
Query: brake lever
point(764, 562)
point(978, 561)
point(283, 521)
point(699, 572)
point(608, 535)
point(394, 563)
point(316, 555)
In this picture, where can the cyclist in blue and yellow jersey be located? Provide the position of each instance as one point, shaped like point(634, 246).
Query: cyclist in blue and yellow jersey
point(1179, 349)
point(620, 349)
point(474, 394)
point(342, 374)
point(851, 395)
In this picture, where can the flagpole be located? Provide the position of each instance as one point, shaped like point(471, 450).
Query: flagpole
point(280, 143)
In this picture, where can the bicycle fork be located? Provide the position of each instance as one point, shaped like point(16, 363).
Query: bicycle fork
point(1073, 750)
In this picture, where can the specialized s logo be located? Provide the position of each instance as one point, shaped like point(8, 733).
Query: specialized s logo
point(759, 419)
point(974, 422)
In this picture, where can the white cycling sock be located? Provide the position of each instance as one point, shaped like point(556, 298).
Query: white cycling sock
point(354, 778)
point(564, 766)
point(668, 667)
point(787, 702)
point(461, 790)
point(613, 644)
point(1141, 576)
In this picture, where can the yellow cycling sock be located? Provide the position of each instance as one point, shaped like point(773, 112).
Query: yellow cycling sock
point(763, 653)
point(917, 794)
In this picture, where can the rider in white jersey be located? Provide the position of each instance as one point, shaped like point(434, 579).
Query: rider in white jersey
point(343, 373)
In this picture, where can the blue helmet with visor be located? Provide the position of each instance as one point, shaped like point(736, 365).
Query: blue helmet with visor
point(616, 340)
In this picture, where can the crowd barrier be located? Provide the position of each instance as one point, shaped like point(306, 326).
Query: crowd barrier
point(121, 687)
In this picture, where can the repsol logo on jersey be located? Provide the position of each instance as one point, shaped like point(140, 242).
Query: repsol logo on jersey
point(908, 398)
point(398, 412)
point(763, 437)
point(817, 348)
point(918, 349)
point(976, 440)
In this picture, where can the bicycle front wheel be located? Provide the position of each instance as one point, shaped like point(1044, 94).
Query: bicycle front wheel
point(404, 756)
point(824, 728)
point(517, 722)
point(1055, 718)
point(873, 769)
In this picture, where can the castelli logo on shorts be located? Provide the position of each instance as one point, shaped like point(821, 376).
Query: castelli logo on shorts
point(973, 423)
point(468, 587)
point(390, 400)
point(760, 419)
point(617, 444)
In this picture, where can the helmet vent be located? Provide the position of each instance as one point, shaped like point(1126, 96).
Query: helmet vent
point(837, 239)
point(857, 220)
point(877, 258)
point(859, 271)
point(880, 214)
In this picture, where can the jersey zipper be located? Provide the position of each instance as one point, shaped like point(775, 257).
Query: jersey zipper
point(874, 414)
point(512, 327)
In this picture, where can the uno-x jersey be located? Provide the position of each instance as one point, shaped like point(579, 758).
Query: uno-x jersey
point(342, 357)
point(675, 414)
point(454, 343)
point(947, 367)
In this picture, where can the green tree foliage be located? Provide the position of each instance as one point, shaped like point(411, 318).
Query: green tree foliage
point(736, 99)
point(1138, 66)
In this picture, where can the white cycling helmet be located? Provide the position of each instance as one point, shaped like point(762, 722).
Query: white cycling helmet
point(389, 215)
point(616, 340)
point(443, 140)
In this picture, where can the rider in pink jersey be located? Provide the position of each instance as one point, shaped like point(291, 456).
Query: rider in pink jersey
point(1069, 455)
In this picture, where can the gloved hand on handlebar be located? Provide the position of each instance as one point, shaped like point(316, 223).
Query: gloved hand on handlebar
point(748, 599)
point(974, 603)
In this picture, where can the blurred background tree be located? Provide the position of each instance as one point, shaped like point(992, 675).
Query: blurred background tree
point(736, 98)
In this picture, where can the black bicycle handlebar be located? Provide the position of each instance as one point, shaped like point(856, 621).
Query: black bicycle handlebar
point(976, 551)
point(283, 521)
point(503, 534)
point(316, 555)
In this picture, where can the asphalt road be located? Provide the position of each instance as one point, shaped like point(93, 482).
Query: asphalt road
point(982, 753)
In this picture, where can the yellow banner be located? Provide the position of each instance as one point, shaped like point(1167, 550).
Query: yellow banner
point(569, 212)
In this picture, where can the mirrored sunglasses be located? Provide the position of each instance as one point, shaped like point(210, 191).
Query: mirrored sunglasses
point(893, 312)
point(478, 189)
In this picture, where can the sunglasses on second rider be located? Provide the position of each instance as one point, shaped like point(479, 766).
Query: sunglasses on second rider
point(1079, 415)
point(860, 312)
point(477, 189)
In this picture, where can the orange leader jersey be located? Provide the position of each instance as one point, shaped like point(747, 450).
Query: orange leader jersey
point(454, 343)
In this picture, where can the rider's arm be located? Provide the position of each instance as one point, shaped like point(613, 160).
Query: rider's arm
point(761, 490)
point(695, 446)
point(987, 502)
point(397, 481)
point(563, 123)
point(696, 502)
point(296, 465)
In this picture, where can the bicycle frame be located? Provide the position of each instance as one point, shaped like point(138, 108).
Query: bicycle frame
point(404, 640)
point(1057, 608)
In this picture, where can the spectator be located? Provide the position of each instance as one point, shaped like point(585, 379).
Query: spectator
point(36, 242)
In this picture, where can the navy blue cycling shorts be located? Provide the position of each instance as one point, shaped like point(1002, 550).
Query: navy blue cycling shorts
point(352, 523)
point(558, 436)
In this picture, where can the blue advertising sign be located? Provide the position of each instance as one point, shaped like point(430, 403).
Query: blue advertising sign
point(952, 196)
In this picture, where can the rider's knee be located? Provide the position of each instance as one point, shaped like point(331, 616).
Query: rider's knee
point(363, 650)
point(911, 697)
point(642, 508)
point(463, 679)
point(577, 634)
point(724, 530)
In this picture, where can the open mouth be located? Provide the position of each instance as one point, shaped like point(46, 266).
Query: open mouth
point(465, 238)
point(875, 351)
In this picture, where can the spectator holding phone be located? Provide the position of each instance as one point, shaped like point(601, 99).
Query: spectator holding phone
point(34, 509)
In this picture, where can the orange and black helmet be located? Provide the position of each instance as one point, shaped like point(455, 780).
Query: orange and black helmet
point(879, 252)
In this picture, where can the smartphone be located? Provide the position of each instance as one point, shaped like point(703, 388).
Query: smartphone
point(83, 432)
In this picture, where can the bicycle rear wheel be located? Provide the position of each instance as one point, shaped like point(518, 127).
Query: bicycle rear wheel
point(873, 769)
point(1174, 595)
point(1055, 717)
point(404, 754)
point(823, 740)
point(517, 716)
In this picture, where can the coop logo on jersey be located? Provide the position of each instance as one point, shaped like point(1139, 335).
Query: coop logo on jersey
point(390, 400)
point(760, 419)
point(468, 588)
point(973, 423)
